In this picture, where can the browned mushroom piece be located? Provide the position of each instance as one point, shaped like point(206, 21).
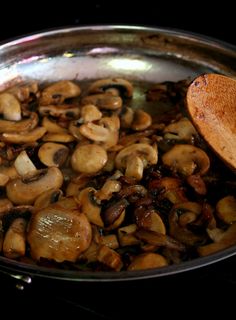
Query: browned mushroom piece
point(5, 206)
point(52, 126)
point(89, 206)
point(226, 209)
point(47, 197)
point(150, 220)
point(126, 117)
point(10, 107)
point(88, 159)
point(58, 137)
point(104, 101)
point(3, 179)
point(76, 184)
point(14, 244)
point(124, 86)
point(53, 154)
point(25, 124)
point(147, 261)
point(107, 190)
point(66, 112)
point(126, 235)
point(113, 212)
point(25, 190)
point(181, 130)
point(22, 92)
point(227, 239)
point(59, 234)
point(135, 158)
point(24, 137)
point(186, 160)
point(58, 92)
point(110, 258)
point(141, 121)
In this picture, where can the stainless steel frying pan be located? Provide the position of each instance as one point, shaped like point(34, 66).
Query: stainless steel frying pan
point(136, 53)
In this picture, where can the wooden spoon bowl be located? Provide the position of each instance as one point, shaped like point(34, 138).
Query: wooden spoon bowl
point(211, 103)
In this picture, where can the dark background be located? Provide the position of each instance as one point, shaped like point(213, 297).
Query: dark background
point(212, 18)
point(195, 294)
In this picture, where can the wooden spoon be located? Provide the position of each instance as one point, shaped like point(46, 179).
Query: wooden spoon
point(211, 102)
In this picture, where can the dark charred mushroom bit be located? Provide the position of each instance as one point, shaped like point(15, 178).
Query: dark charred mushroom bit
point(93, 183)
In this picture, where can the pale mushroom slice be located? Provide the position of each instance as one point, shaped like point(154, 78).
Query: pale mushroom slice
point(147, 261)
point(53, 154)
point(88, 159)
point(59, 234)
point(135, 158)
point(89, 113)
point(26, 189)
point(186, 160)
point(24, 165)
point(58, 92)
point(124, 87)
point(226, 209)
point(10, 107)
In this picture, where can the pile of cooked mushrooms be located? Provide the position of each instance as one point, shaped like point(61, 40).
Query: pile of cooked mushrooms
point(88, 181)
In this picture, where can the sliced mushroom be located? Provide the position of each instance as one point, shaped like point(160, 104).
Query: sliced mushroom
point(90, 113)
point(103, 101)
point(110, 258)
point(147, 261)
point(9, 171)
point(142, 120)
point(58, 92)
point(24, 137)
point(59, 234)
point(113, 212)
point(126, 117)
point(23, 91)
point(150, 220)
point(181, 130)
point(10, 107)
point(66, 112)
point(106, 132)
point(226, 209)
point(53, 154)
point(26, 190)
point(124, 86)
point(107, 190)
point(126, 235)
point(58, 137)
point(110, 241)
point(77, 184)
point(52, 127)
point(48, 197)
point(186, 160)
point(14, 244)
point(28, 124)
point(227, 240)
point(88, 159)
point(142, 155)
point(24, 165)
point(88, 205)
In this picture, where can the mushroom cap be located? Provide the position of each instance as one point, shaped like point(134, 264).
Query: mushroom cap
point(89, 159)
point(53, 154)
point(187, 159)
point(144, 151)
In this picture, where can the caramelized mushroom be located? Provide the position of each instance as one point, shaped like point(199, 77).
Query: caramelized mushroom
point(147, 261)
point(53, 154)
point(226, 209)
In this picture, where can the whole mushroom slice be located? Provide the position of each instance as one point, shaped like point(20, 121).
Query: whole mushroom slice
point(66, 112)
point(88, 159)
point(10, 107)
point(24, 137)
point(186, 160)
point(53, 154)
point(141, 121)
point(59, 234)
point(148, 261)
point(27, 124)
point(89, 113)
point(180, 130)
point(58, 92)
point(135, 158)
point(124, 86)
point(25, 190)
